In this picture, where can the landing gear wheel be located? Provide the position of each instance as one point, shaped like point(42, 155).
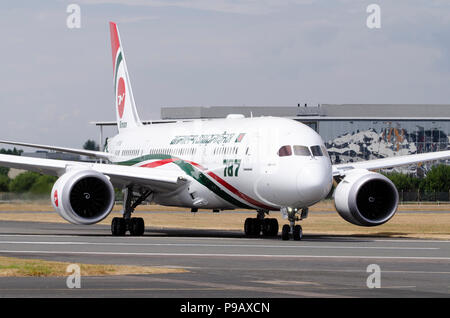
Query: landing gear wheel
point(137, 227)
point(275, 227)
point(118, 226)
point(247, 227)
point(285, 232)
point(297, 233)
point(255, 227)
point(266, 227)
point(270, 227)
point(252, 227)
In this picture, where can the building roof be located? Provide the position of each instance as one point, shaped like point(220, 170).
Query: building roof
point(317, 112)
point(368, 111)
point(387, 110)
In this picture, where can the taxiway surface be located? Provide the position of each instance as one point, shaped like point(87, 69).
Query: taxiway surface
point(226, 264)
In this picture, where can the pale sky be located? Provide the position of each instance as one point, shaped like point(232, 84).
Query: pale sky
point(213, 53)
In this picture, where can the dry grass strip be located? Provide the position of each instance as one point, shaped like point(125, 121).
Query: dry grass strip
point(18, 267)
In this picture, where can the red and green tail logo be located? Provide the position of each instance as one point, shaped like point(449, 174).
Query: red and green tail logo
point(121, 96)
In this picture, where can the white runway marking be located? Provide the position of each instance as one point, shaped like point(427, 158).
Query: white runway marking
point(313, 238)
point(412, 241)
point(230, 255)
point(218, 245)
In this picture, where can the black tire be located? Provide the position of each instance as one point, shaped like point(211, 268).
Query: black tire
point(118, 226)
point(285, 232)
point(247, 226)
point(297, 233)
point(274, 227)
point(270, 227)
point(267, 227)
point(255, 226)
point(137, 226)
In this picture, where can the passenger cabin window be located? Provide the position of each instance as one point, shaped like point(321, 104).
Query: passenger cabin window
point(285, 151)
point(316, 151)
point(301, 151)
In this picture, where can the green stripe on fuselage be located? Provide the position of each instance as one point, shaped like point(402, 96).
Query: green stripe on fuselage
point(141, 159)
point(193, 172)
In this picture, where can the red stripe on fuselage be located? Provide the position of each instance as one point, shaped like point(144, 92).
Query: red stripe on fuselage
point(158, 163)
point(215, 177)
point(237, 192)
point(231, 188)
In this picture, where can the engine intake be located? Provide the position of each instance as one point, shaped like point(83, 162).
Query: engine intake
point(366, 198)
point(83, 196)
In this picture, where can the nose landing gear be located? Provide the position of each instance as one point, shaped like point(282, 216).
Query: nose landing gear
point(295, 230)
point(291, 229)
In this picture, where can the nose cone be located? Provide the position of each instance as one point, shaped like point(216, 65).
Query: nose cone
point(314, 182)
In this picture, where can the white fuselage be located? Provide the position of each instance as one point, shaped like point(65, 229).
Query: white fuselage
point(233, 162)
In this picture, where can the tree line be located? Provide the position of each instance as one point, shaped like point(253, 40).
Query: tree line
point(25, 182)
point(31, 182)
point(436, 180)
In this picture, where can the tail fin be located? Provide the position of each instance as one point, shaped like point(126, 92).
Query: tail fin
point(126, 114)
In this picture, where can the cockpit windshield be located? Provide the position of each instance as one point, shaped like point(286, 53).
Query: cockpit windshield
point(316, 151)
point(301, 151)
point(285, 151)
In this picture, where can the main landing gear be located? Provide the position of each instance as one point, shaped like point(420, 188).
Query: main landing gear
point(254, 227)
point(291, 229)
point(136, 226)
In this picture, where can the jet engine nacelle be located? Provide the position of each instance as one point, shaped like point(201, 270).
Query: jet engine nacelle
point(366, 198)
point(83, 196)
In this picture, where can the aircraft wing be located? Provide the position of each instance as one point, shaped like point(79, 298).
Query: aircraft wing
point(156, 179)
point(344, 168)
point(83, 152)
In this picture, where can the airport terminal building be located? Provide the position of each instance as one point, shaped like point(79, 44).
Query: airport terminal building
point(352, 132)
